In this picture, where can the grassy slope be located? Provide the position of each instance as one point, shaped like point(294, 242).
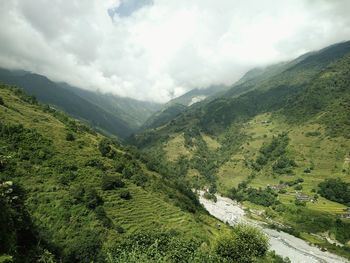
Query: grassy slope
point(47, 198)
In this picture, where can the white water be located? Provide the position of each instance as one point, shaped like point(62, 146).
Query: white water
point(284, 244)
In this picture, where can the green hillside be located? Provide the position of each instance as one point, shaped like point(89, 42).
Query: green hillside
point(274, 145)
point(69, 194)
point(62, 167)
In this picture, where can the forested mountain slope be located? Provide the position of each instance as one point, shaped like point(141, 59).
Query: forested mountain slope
point(134, 112)
point(114, 115)
point(73, 193)
point(180, 104)
point(69, 194)
point(279, 147)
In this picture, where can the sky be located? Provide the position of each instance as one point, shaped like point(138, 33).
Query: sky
point(159, 49)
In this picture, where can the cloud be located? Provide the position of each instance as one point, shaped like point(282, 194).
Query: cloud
point(127, 7)
point(158, 49)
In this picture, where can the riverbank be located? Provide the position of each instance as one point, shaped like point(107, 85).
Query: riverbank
point(284, 244)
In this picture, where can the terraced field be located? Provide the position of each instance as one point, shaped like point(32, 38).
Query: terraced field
point(147, 211)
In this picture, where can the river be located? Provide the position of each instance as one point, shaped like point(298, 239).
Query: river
point(282, 243)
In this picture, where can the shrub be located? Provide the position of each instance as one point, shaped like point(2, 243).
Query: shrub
point(1, 101)
point(312, 134)
point(92, 199)
point(66, 178)
point(70, 137)
point(210, 196)
point(85, 248)
point(102, 216)
point(104, 147)
point(299, 203)
point(119, 229)
point(96, 163)
point(244, 244)
point(110, 182)
point(139, 179)
point(298, 187)
point(307, 170)
point(125, 194)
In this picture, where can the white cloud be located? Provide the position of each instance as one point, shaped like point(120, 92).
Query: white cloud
point(165, 47)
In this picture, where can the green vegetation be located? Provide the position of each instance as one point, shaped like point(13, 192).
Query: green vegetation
point(86, 197)
point(70, 200)
point(275, 152)
point(18, 235)
point(279, 130)
point(242, 244)
point(335, 190)
point(264, 197)
point(245, 245)
point(110, 182)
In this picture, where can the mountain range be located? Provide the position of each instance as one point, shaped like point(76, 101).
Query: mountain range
point(277, 141)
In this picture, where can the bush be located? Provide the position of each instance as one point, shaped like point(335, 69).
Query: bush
point(139, 179)
point(1, 101)
point(110, 182)
point(66, 178)
point(307, 170)
point(298, 187)
point(312, 134)
point(125, 194)
point(96, 163)
point(70, 137)
point(104, 147)
point(86, 248)
point(299, 203)
point(102, 216)
point(119, 229)
point(243, 245)
point(92, 199)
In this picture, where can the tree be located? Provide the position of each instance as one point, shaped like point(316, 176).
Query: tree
point(335, 190)
point(243, 245)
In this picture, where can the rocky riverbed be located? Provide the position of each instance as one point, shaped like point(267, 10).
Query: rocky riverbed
point(284, 244)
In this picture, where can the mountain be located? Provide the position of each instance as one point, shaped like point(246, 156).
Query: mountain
point(196, 95)
point(133, 112)
point(278, 141)
point(178, 105)
point(305, 66)
point(114, 115)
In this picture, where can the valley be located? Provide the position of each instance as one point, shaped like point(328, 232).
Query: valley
point(121, 182)
point(278, 142)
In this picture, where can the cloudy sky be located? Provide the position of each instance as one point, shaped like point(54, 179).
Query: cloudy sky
point(158, 49)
